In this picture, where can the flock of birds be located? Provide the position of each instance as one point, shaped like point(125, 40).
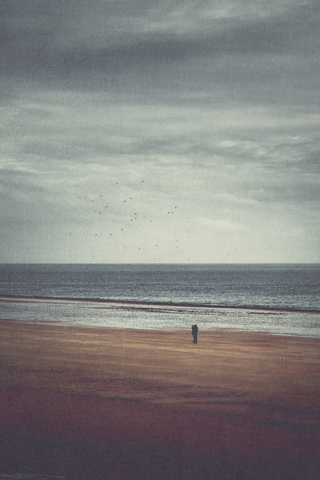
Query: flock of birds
point(119, 220)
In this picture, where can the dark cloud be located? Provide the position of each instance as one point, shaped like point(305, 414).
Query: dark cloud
point(36, 37)
point(165, 53)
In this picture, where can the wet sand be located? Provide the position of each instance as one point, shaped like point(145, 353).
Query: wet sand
point(97, 403)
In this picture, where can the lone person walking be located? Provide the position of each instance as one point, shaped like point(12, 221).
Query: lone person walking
point(194, 331)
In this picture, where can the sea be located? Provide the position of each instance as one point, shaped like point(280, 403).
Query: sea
point(275, 298)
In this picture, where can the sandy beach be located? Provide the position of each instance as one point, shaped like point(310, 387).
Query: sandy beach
point(101, 403)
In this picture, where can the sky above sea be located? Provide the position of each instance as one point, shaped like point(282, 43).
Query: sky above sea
point(165, 132)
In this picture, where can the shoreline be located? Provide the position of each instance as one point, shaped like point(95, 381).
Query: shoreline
point(137, 316)
point(168, 330)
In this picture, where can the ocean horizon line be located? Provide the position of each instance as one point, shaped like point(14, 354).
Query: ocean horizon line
point(160, 263)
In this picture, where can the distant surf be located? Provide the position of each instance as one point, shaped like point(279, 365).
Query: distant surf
point(148, 304)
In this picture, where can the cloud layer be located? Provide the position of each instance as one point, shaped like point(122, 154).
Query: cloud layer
point(171, 132)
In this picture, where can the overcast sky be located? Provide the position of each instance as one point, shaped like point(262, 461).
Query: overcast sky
point(172, 131)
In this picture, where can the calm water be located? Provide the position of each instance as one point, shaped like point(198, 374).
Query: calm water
point(275, 298)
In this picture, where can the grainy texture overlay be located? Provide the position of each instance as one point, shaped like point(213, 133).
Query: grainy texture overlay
point(91, 403)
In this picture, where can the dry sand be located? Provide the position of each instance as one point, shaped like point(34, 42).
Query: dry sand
point(93, 403)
